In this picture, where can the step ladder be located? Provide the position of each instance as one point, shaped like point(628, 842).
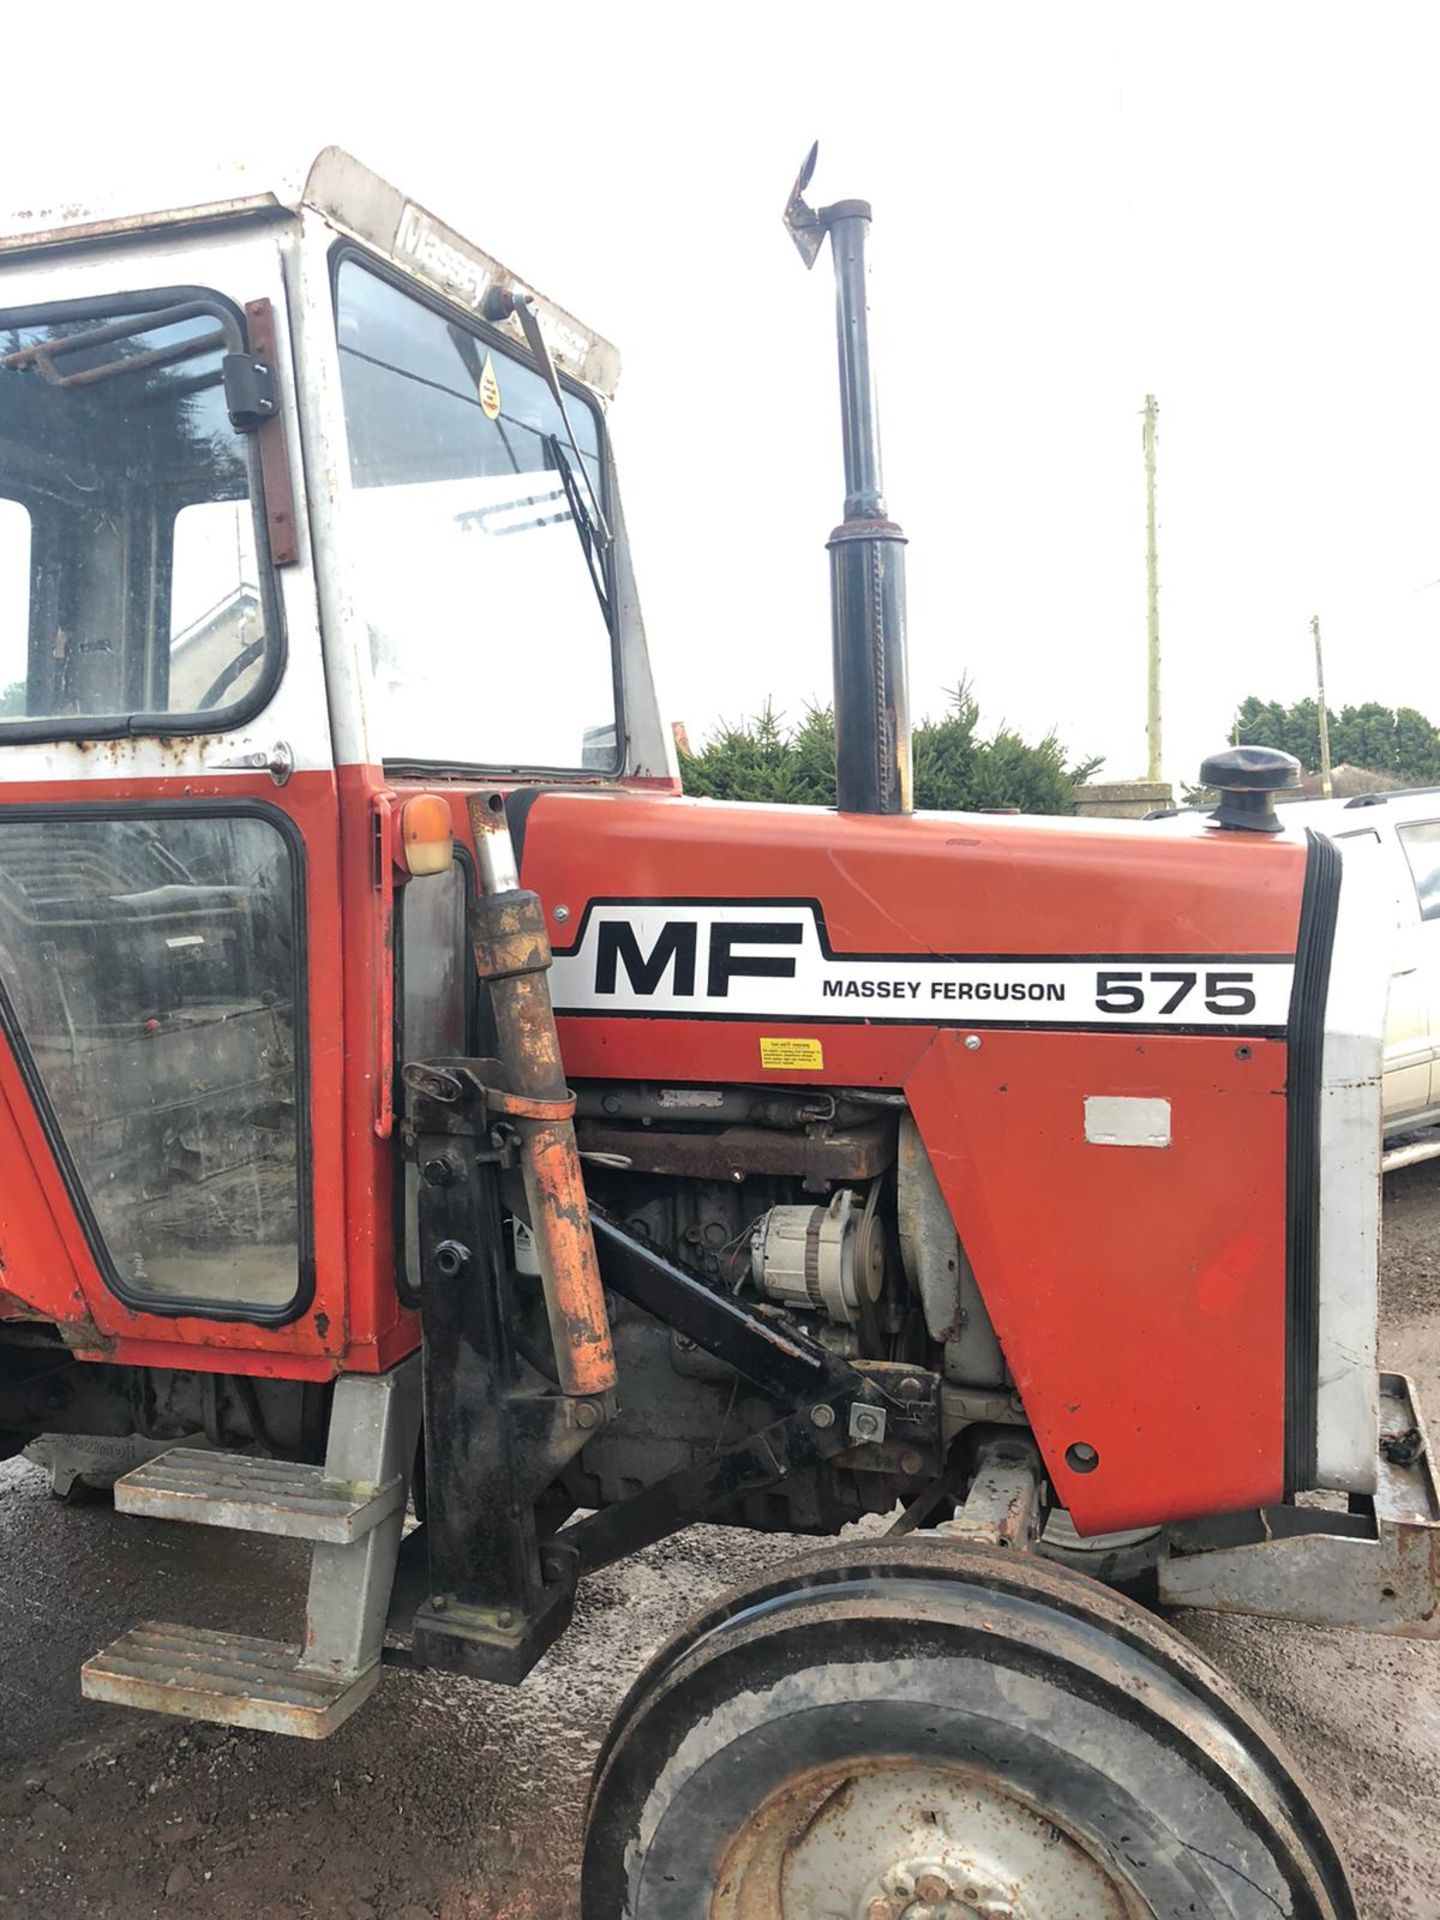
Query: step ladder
point(352, 1510)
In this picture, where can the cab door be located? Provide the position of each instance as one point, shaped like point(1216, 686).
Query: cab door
point(169, 916)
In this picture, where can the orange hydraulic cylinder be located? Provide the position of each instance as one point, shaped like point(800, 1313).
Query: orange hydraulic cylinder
point(512, 954)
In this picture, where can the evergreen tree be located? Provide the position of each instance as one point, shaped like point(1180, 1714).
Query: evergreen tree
point(955, 769)
point(1399, 742)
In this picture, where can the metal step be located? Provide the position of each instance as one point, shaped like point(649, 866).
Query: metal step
point(352, 1510)
point(256, 1496)
point(227, 1677)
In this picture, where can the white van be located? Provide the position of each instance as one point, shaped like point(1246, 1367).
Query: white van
point(1405, 830)
point(1406, 827)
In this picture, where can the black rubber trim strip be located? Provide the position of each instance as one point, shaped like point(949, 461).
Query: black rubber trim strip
point(1319, 904)
point(517, 816)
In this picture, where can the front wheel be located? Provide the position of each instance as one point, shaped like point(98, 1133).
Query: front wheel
point(917, 1731)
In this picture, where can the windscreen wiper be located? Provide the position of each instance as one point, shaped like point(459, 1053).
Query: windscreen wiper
point(500, 303)
point(593, 538)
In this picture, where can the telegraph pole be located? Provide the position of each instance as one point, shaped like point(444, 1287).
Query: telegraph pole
point(1152, 599)
point(1326, 785)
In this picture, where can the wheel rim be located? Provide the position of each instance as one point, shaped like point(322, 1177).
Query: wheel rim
point(872, 1839)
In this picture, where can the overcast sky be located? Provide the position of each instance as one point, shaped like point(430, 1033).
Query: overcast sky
point(1233, 206)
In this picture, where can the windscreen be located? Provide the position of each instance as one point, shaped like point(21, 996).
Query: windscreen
point(489, 638)
point(129, 580)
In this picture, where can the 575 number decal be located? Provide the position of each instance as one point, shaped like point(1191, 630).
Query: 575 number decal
point(1224, 993)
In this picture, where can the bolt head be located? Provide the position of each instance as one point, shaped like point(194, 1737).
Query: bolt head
point(587, 1414)
point(822, 1416)
point(562, 914)
point(972, 1043)
point(932, 1887)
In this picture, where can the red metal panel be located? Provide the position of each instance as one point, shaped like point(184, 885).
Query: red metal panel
point(927, 883)
point(1138, 1292)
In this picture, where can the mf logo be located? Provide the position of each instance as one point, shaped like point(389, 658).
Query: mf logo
point(675, 952)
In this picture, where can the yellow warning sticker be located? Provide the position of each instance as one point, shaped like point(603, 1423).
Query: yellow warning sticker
point(804, 1056)
point(489, 390)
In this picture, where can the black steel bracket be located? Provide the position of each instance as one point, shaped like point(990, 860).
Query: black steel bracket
point(250, 395)
point(495, 1439)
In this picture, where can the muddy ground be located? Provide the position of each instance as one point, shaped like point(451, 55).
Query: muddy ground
point(459, 1801)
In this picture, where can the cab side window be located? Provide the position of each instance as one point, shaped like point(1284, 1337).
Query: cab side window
point(1422, 849)
point(136, 602)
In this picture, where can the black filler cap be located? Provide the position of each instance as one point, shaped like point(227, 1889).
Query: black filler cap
point(1247, 778)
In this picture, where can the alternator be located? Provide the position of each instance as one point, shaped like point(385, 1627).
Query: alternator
point(820, 1258)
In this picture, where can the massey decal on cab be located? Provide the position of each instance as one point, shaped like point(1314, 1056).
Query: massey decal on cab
point(744, 960)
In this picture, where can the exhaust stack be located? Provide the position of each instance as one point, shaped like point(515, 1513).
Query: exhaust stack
point(867, 549)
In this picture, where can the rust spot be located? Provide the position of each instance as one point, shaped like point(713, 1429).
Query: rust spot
point(78, 1331)
point(12, 1307)
point(322, 1324)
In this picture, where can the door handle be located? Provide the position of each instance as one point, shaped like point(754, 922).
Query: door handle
point(279, 763)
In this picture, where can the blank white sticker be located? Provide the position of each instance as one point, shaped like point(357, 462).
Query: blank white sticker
point(1125, 1120)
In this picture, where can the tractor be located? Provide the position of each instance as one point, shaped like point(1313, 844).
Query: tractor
point(429, 1135)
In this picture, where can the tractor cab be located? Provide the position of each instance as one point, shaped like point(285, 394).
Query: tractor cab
point(306, 505)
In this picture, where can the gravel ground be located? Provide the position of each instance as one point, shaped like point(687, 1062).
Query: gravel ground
point(452, 1800)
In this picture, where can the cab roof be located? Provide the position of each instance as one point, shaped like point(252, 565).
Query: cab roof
point(355, 202)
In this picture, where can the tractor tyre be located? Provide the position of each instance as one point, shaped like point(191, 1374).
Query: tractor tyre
point(914, 1730)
